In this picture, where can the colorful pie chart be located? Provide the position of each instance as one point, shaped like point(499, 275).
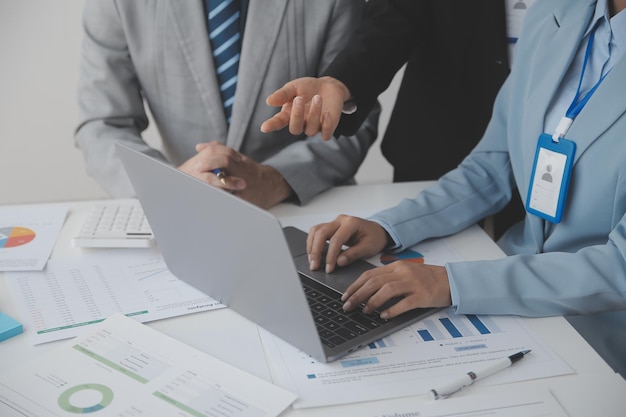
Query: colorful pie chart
point(11, 237)
point(406, 255)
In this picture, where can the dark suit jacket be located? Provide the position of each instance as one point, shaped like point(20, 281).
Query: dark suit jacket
point(456, 55)
point(457, 58)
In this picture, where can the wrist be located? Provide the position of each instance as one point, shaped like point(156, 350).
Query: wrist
point(279, 187)
point(446, 292)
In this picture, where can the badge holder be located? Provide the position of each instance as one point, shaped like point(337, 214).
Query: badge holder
point(550, 177)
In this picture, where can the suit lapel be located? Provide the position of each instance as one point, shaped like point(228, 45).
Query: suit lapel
point(261, 33)
point(189, 25)
point(601, 111)
point(559, 43)
point(560, 37)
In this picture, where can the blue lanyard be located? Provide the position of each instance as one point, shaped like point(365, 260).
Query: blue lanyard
point(579, 102)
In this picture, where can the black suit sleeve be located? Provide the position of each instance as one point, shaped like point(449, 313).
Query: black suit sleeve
point(379, 47)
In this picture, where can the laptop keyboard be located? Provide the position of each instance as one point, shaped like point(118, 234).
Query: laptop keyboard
point(334, 325)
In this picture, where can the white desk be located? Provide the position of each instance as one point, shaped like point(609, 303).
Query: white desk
point(593, 390)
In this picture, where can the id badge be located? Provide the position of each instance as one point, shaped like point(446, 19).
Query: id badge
point(550, 177)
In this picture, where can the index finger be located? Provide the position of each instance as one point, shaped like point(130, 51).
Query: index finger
point(276, 122)
point(349, 293)
point(315, 243)
point(282, 96)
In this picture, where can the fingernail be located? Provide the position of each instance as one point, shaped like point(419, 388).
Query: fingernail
point(384, 315)
point(347, 305)
point(313, 265)
point(342, 261)
point(329, 268)
point(366, 310)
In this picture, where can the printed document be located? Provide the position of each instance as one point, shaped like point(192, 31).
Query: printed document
point(413, 360)
point(502, 401)
point(123, 368)
point(69, 294)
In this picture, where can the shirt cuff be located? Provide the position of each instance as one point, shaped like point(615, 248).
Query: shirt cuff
point(454, 294)
point(349, 107)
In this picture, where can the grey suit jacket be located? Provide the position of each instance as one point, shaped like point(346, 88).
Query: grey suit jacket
point(158, 51)
point(576, 267)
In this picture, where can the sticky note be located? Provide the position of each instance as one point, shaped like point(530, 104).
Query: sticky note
point(8, 327)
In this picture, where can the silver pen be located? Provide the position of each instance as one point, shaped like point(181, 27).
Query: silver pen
point(491, 368)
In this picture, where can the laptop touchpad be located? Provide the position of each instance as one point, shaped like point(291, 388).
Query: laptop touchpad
point(340, 279)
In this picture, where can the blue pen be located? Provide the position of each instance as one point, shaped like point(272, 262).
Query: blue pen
point(221, 175)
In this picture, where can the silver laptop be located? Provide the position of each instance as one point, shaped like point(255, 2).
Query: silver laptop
point(240, 255)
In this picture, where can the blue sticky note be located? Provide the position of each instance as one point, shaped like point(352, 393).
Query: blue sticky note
point(9, 327)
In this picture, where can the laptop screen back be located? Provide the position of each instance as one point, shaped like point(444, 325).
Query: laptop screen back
point(225, 247)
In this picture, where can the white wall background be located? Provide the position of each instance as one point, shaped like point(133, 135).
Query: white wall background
point(39, 49)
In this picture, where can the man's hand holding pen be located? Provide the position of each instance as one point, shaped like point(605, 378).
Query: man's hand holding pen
point(224, 167)
point(209, 165)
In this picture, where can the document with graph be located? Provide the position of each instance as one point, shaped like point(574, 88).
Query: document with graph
point(413, 360)
point(123, 368)
point(69, 294)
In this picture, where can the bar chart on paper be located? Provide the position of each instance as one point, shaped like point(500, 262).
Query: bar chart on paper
point(382, 343)
point(447, 327)
point(443, 327)
point(438, 347)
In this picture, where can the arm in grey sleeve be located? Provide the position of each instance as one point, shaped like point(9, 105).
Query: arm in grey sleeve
point(110, 104)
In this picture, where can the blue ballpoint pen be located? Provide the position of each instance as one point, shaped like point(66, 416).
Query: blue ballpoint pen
point(221, 175)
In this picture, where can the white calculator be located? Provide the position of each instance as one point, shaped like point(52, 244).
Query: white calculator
point(114, 225)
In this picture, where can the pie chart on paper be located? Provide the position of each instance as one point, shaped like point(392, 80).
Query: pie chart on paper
point(11, 237)
point(406, 255)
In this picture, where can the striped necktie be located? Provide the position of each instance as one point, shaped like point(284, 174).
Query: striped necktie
point(225, 38)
